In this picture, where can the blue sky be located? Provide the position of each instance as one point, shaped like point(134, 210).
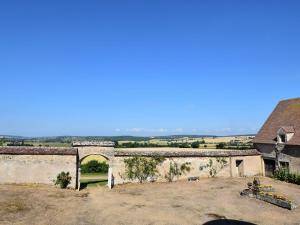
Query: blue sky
point(145, 67)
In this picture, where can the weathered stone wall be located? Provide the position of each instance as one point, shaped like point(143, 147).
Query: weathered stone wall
point(290, 154)
point(41, 169)
point(199, 168)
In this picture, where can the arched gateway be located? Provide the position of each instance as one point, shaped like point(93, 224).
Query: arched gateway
point(87, 148)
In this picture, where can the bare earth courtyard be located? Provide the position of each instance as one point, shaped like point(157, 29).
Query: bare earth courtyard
point(157, 203)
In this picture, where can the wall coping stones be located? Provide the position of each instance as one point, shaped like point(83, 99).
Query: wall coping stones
point(24, 150)
point(186, 153)
point(93, 143)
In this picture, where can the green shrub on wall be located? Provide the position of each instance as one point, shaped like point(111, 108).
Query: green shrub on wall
point(284, 175)
point(94, 166)
point(142, 168)
point(63, 180)
point(176, 170)
point(215, 167)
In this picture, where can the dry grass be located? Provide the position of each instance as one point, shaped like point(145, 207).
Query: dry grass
point(156, 203)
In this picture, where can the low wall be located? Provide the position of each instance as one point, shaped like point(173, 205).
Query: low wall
point(36, 165)
point(252, 163)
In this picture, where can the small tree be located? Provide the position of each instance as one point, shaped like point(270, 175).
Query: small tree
point(175, 170)
point(213, 168)
point(63, 180)
point(195, 144)
point(142, 168)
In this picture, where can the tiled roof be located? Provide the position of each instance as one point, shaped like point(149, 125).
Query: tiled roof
point(287, 116)
point(37, 151)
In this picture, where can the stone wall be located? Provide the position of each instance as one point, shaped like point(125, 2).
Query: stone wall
point(290, 154)
point(199, 168)
point(41, 169)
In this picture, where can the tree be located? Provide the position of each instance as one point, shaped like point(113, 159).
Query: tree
point(94, 166)
point(175, 170)
point(142, 168)
point(195, 144)
point(220, 145)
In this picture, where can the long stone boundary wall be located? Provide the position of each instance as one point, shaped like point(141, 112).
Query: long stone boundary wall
point(37, 165)
point(198, 160)
point(43, 164)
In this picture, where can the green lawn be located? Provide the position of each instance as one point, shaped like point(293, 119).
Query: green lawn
point(89, 180)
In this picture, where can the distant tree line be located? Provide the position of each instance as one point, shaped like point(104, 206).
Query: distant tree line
point(235, 145)
point(153, 145)
point(18, 143)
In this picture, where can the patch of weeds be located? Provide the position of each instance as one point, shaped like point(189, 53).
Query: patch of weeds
point(134, 193)
point(82, 195)
point(139, 206)
point(57, 195)
point(176, 206)
point(13, 206)
point(216, 216)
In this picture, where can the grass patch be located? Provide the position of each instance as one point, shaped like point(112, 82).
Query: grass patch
point(14, 206)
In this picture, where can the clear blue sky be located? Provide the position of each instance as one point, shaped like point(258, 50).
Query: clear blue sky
point(145, 67)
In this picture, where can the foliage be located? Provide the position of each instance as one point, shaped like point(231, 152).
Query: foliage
point(195, 144)
point(234, 145)
point(213, 168)
point(284, 175)
point(142, 168)
point(175, 170)
point(63, 180)
point(94, 166)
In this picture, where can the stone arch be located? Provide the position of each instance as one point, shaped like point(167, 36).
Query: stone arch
point(85, 151)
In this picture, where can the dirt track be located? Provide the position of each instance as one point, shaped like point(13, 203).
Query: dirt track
point(167, 203)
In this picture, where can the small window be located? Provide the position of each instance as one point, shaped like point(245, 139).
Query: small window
point(282, 138)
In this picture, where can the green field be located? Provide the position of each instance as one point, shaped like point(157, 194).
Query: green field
point(90, 180)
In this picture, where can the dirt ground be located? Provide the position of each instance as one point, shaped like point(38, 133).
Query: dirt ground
point(181, 203)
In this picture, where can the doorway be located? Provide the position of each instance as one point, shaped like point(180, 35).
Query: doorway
point(240, 167)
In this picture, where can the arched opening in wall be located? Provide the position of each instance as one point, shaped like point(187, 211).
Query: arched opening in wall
point(93, 171)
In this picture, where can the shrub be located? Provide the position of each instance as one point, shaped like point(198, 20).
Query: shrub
point(63, 180)
point(195, 144)
point(284, 175)
point(175, 170)
point(94, 166)
point(215, 168)
point(142, 168)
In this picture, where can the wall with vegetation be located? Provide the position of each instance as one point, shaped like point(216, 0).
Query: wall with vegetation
point(202, 167)
point(41, 169)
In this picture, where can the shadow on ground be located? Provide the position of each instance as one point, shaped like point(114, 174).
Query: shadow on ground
point(227, 222)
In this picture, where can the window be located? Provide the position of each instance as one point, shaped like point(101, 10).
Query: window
point(282, 138)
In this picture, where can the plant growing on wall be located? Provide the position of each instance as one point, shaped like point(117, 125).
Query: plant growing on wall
point(63, 180)
point(215, 168)
point(175, 170)
point(142, 168)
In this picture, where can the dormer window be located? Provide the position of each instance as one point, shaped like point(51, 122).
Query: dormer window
point(284, 134)
point(282, 138)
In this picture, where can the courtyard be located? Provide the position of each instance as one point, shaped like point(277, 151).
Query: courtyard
point(217, 200)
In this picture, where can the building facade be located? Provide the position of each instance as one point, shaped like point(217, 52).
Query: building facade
point(281, 128)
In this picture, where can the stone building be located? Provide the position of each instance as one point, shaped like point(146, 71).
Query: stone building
point(282, 127)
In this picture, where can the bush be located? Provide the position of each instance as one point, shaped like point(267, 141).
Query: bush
point(284, 175)
point(63, 180)
point(142, 168)
point(195, 144)
point(94, 166)
point(175, 170)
